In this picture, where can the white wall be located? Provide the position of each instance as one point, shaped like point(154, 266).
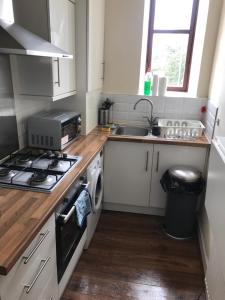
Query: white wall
point(212, 26)
point(123, 40)
point(217, 85)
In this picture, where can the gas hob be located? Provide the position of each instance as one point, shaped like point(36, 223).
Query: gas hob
point(35, 169)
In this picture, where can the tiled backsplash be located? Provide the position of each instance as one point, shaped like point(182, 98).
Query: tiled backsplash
point(210, 119)
point(164, 107)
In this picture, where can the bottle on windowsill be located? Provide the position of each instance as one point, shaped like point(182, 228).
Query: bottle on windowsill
point(148, 84)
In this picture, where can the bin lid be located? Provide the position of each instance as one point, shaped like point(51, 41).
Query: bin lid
point(185, 173)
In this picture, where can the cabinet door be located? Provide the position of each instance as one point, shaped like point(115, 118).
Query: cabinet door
point(62, 29)
point(127, 173)
point(96, 20)
point(166, 156)
point(53, 20)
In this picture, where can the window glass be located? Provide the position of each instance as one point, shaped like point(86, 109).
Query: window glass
point(169, 53)
point(173, 14)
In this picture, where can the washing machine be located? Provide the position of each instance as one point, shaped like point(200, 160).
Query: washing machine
point(95, 179)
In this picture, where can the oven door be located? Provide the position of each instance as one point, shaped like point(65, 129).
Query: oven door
point(70, 130)
point(68, 236)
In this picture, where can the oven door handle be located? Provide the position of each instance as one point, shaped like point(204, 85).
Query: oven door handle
point(86, 185)
point(67, 216)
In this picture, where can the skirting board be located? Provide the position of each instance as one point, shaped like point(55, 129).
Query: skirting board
point(202, 247)
point(204, 256)
point(134, 209)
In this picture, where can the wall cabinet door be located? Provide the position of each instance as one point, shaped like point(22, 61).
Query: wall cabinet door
point(127, 173)
point(62, 30)
point(96, 25)
point(166, 156)
point(53, 20)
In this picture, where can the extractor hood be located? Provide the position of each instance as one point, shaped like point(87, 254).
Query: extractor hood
point(14, 39)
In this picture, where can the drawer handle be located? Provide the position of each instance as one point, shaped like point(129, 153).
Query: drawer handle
point(43, 236)
point(44, 262)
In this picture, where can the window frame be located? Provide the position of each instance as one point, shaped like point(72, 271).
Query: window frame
point(190, 32)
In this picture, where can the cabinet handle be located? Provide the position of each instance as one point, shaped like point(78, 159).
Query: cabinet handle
point(103, 70)
point(43, 236)
point(58, 72)
point(157, 162)
point(28, 287)
point(146, 163)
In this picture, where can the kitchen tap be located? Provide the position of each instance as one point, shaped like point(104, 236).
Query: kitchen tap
point(151, 119)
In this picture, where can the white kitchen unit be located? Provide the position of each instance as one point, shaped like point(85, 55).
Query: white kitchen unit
point(127, 168)
point(34, 276)
point(133, 172)
point(96, 19)
point(40, 76)
point(215, 208)
point(166, 156)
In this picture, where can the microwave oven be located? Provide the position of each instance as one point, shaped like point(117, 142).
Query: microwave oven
point(53, 130)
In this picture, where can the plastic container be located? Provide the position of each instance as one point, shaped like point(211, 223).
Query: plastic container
point(155, 83)
point(147, 84)
point(183, 185)
point(162, 86)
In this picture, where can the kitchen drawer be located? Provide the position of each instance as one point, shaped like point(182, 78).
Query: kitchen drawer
point(41, 243)
point(34, 257)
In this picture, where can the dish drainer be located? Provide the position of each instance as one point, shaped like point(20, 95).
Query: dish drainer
point(181, 129)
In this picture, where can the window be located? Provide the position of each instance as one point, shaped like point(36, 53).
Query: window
point(170, 40)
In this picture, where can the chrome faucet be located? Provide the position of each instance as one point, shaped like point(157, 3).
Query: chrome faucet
point(149, 119)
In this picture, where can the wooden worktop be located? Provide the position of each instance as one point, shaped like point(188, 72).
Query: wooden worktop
point(23, 213)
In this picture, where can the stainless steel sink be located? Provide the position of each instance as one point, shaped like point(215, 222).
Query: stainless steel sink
point(130, 130)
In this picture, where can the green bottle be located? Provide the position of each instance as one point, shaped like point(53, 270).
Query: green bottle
point(147, 84)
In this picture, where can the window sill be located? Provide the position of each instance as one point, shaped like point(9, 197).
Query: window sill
point(172, 94)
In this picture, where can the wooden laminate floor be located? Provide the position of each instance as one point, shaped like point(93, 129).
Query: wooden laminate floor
point(131, 258)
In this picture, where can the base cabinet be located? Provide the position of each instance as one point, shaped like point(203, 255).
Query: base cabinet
point(133, 171)
point(34, 276)
point(127, 173)
point(167, 156)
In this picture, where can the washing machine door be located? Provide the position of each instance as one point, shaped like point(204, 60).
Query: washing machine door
point(98, 191)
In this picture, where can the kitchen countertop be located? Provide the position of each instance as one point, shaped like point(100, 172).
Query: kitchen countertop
point(23, 213)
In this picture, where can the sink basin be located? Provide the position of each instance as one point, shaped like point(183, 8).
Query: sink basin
point(131, 130)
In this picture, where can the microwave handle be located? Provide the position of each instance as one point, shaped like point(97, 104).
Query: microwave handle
point(67, 216)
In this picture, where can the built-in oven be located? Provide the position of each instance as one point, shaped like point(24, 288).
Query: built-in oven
point(68, 233)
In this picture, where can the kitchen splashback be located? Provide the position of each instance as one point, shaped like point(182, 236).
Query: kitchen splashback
point(164, 107)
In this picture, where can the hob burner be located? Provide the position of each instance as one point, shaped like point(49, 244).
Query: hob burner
point(24, 160)
point(38, 177)
point(54, 163)
point(4, 172)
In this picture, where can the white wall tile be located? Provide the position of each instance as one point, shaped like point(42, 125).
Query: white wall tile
point(164, 107)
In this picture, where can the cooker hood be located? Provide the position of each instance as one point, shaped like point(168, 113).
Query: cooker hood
point(14, 39)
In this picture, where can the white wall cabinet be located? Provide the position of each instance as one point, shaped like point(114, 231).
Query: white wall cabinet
point(53, 20)
point(39, 271)
point(132, 178)
point(96, 19)
point(167, 156)
point(127, 173)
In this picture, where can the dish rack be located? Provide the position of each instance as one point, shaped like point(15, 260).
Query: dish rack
point(180, 129)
